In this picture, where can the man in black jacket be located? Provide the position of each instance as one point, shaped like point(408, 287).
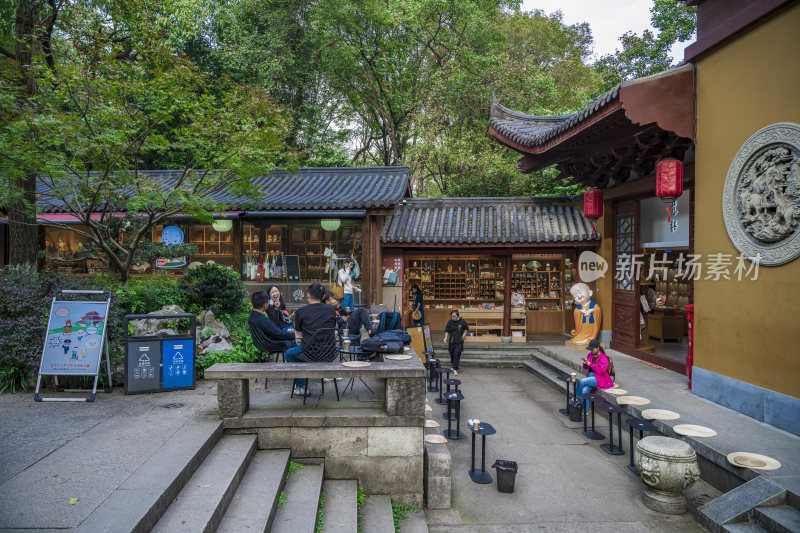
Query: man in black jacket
point(260, 301)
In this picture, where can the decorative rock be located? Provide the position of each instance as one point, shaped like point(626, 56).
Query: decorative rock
point(206, 319)
point(667, 466)
point(150, 325)
point(220, 345)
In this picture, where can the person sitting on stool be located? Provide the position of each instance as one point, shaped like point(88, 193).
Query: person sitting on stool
point(597, 365)
point(261, 302)
point(455, 331)
point(354, 320)
point(308, 320)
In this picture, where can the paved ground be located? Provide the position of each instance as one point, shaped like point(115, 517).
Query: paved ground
point(51, 452)
point(565, 482)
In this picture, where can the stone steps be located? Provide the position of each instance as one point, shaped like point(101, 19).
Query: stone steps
point(203, 500)
point(414, 523)
point(341, 506)
point(255, 503)
point(143, 497)
point(376, 515)
point(298, 514)
point(779, 519)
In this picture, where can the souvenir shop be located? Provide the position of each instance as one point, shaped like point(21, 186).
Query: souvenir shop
point(506, 266)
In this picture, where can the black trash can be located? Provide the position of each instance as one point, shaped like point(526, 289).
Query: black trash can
point(576, 410)
point(506, 474)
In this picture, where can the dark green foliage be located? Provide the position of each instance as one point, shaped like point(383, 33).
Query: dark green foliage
point(320, 512)
point(145, 295)
point(214, 287)
point(399, 512)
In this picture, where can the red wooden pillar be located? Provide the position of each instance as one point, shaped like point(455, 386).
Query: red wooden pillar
point(507, 298)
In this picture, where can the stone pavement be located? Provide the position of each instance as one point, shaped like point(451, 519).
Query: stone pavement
point(51, 452)
point(565, 482)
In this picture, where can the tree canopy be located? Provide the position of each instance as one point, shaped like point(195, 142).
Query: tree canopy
point(95, 93)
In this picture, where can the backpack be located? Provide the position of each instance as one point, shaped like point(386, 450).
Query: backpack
point(389, 321)
point(383, 343)
point(611, 372)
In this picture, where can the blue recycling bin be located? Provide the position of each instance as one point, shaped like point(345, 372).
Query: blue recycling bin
point(162, 362)
point(177, 359)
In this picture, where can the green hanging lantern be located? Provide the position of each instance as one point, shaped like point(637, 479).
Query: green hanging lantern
point(331, 224)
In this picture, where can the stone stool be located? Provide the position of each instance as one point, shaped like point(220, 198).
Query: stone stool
point(667, 466)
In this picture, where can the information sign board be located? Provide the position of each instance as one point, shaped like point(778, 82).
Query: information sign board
point(75, 339)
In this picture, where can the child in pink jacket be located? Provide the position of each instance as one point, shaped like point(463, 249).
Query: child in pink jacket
point(597, 365)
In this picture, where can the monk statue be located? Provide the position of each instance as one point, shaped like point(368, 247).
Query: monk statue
point(588, 316)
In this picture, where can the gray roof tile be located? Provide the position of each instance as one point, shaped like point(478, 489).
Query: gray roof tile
point(308, 188)
point(487, 221)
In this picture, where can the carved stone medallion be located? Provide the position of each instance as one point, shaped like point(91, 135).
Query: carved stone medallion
point(761, 197)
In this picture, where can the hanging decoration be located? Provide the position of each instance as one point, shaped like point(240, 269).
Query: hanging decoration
point(669, 184)
point(330, 224)
point(222, 225)
point(593, 206)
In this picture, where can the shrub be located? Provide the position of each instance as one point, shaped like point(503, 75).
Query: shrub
point(25, 297)
point(214, 287)
point(145, 295)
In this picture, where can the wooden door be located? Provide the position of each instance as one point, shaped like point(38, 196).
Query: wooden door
point(625, 302)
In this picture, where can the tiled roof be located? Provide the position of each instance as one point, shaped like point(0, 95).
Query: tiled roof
point(308, 188)
point(487, 221)
point(534, 130)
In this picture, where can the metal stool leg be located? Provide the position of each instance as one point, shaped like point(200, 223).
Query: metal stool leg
point(631, 466)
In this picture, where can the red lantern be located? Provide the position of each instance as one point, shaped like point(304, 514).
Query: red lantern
point(593, 205)
point(669, 182)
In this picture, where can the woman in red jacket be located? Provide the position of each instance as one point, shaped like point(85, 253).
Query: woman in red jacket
point(597, 365)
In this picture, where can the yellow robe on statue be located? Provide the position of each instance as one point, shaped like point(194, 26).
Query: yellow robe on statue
point(587, 327)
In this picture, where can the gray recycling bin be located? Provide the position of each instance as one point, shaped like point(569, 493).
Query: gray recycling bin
point(160, 363)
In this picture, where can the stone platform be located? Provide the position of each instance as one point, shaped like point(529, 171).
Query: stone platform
point(374, 436)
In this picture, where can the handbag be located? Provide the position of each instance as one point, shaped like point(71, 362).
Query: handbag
point(416, 315)
point(338, 290)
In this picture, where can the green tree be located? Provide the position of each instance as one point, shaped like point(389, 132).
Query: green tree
point(534, 63)
point(121, 96)
point(26, 37)
point(648, 53)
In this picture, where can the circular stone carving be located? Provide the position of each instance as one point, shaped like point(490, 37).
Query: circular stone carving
point(761, 196)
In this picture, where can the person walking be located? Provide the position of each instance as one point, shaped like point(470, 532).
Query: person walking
point(417, 306)
point(597, 365)
point(455, 331)
point(344, 278)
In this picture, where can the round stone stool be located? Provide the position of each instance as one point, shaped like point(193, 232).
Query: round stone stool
point(667, 467)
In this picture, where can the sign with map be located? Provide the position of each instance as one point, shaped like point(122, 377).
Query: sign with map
point(74, 338)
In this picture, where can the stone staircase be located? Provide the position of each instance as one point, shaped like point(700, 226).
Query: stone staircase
point(202, 481)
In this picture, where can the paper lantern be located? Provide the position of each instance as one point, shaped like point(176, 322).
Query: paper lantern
point(222, 225)
point(593, 204)
point(669, 182)
point(330, 224)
